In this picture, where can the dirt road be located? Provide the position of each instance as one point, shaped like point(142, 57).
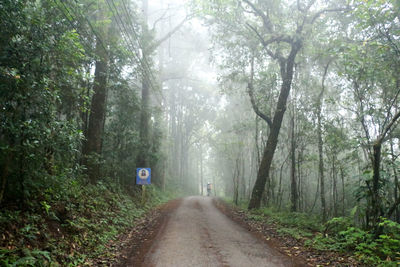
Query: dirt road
point(198, 234)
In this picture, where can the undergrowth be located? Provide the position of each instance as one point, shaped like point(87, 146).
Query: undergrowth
point(72, 225)
point(338, 234)
point(374, 250)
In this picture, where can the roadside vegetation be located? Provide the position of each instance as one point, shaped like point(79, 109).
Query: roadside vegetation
point(71, 131)
point(341, 235)
point(74, 224)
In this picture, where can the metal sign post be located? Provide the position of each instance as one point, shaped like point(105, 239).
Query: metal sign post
point(143, 177)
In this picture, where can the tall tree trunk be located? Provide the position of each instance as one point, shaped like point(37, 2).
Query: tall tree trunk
point(201, 170)
point(252, 167)
point(242, 178)
point(343, 192)
point(93, 145)
point(300, 181)
point(316, 196)
point(148, 48)
point(279, 196)
point(293, 183)
point(85, 112)
point(320, 146)
point(236, 175)
point(376, 211)
point(143, 157)
point(286, 68)
point(256, 142)
point(396, 183)
point(334, 188)
point(4, 175)
point(174, 156)
point(396, 197)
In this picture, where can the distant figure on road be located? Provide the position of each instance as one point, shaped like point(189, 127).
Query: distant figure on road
point(208, 189)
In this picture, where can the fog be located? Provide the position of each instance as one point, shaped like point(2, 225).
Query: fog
point(213, 90)
point(191, 98)
point(110, 106)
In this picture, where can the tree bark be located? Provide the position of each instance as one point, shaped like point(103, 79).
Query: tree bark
point(396, 183)
point(280, 192)
point(94, 138)
point(242, 178)
point(293, 183)
point(201, 169)
point(236, 175)
point(334, 187)
point(343, 191)
point(4, 175)
point(301, 200)
point(143, 157)
point(320, 146)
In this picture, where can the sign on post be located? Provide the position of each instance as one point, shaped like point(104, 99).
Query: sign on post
point(143, 176)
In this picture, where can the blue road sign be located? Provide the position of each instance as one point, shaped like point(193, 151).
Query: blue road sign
point(143, 176)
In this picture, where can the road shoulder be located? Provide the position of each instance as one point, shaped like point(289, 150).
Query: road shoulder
point(140, 239)
point(302, 255)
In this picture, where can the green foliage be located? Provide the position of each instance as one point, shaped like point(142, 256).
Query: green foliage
point(24, 257)
point(322, 243)
point(49, 214)
point(337, 234)
point(337, 224)
point(37, 60)
point(299, 220)
point(294, 232)
point(382, 250)
point(256, 217)
point(71, 228)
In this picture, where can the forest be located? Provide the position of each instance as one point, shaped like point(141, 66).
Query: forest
point(289, 108)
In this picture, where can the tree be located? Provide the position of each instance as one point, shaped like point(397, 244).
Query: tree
point(148, 46)
point(320, 144)
point(257, 34)
point(40, 76)
point(94, 138)
point(294, 40)
point(372, 70)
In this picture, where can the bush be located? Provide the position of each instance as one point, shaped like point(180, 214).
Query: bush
point(383, 250)
point(338, 234)
point(336, 225)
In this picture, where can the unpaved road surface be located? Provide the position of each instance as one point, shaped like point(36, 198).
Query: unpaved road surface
point(198, 234)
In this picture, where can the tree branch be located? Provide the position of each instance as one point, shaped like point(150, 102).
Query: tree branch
point(161, 18)
point(392, 103)
point(389, 126)
point(324, 78)
point(394, 207)
point(251, 94)
point(168, 35)
point(266, 21)
point(362, 118)
point(328, 10)
point(265, 43)
point(304, 10)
